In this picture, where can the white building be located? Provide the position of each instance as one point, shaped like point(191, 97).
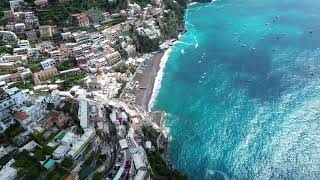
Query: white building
point(33, 110)
point(69, 139)
point(8, 173)
point(48, 63)
point(17, 96)
point(19, 27)
point(24, 44)
point(6, 105)
point(61, 151)
point(15, 4)
point(83, 113)
point(80, 145)
point(8, 36)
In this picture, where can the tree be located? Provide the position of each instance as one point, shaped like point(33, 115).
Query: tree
point(98, 176)
point(67, 162)
point(39, 155)
point(47, 150)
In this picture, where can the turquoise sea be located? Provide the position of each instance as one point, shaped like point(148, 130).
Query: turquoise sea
point(242, 91)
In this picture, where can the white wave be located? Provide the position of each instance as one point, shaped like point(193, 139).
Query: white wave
point(191, 4)
point(158, 79)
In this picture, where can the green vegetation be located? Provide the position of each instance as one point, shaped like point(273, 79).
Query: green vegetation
point(57, 174)
point(143, 3)
point(32, 169)
point(98, 176)
point(21, 36)
point(89, 160)
point(6, 158)
point(160, 170)
point(112, 23)
point(4, 6)
point(59, 13)
point(67, 162)
point(150, 134)
point(13, 130)
point(67, 64)
point(72, 109)
point(73, 80)
point(40, 153)
point(47, 150)
point(3, 48)
point(143, 43)
point(6, 50)
point(94, 160)
point(22, 84)
point(37, 137)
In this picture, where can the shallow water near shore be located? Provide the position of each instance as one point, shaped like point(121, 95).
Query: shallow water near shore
point(242, 91)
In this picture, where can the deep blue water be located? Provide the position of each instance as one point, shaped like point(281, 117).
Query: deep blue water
point(242, 91)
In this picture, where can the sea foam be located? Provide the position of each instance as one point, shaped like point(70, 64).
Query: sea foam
point(158, 79)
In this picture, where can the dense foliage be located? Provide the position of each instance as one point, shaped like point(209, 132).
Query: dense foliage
point(160, 170)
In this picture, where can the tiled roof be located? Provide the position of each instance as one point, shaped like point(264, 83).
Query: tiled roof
point(21, 115)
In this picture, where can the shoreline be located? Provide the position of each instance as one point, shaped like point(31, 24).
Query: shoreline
point(158, 79)
point(146, 79)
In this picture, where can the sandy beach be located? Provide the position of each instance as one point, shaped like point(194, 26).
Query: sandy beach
point(146, 78)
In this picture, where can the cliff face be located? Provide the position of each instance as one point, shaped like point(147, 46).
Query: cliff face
point(173, 21)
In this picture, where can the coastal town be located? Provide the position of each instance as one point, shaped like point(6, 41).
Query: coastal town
point(76, 79)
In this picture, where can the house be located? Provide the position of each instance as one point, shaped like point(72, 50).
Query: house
point(44, 46)
point(15, 4)
point(55, 118)
point(61, 151)
point(83, 113)
point(9, 37)
point(6, 105)
point(68, 72)
point(11, 58)
point(33, 110)
point(31, 20)
point(41, 4)
point(82, 20)
point(17, 96)
point(57, 55)
point(113, 58)
point(48, 63)
point(32, 34)
point(44, 75)
point(8, 173)
point(33, 52)
point(24, 44)
point(45, 31)
point(19, 27)
point(7, 68)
